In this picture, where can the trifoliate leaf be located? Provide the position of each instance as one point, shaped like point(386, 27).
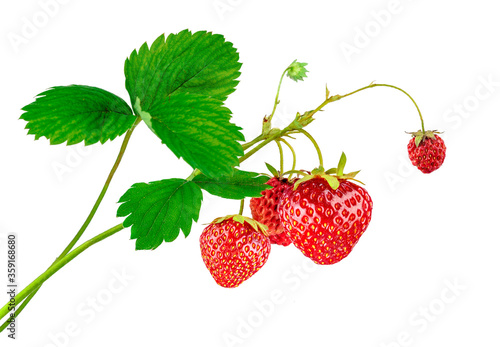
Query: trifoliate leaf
point(77, 113)
point(239, 185)
point(195, 63)
point(197, 128)
point(297, 71)
point(158, 210)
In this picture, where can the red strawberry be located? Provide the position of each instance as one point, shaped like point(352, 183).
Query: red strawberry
point(323, 222)
point(426, 151)
point(280, 239)
point(233, 249)
point(265, 210)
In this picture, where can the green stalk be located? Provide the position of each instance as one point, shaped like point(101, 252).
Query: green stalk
point(276, 101)
point(262, 144)
point(59, 264)
point(281, 155)
point(293, 155)
point(87, 221)
point(104, 189)
point(390, 86)
point(251, 143)
point(242, 206)
point(316, 146)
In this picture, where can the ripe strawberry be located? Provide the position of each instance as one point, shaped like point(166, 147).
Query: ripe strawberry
point(280, 239)
point(323, 222)
point(265, 210)
point(426, 151)
point(233, 249)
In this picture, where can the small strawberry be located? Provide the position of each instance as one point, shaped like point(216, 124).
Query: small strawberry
point(325, 215)
point(265, 210)
point(426, 151)
point(233, 249)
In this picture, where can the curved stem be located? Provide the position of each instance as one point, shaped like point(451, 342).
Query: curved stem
point(293, 155)
point(103, 191)
point(59, 264)
point(276, 101)
point(281, 155)
point(320, 156)
point(390, 86)
point(87, 221)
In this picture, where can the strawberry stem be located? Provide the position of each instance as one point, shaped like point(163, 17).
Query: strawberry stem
point(58, 264)
point(293, 155)
point(281, 154)
point(318, 150)
point(253, 142)
point(25, 300)
point(267, 120)
point(390, 86)
point(242, 206)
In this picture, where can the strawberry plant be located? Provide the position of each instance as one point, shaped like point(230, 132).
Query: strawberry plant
point(178, 86)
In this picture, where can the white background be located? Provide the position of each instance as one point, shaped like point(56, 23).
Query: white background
point(427, 232)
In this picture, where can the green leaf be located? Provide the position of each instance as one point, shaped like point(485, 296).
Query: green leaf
point(197, 128)
point(200, 63)
point(77, 113)
point(239, 185)
point(158, 210)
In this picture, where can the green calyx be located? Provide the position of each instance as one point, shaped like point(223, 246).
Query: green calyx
point(420, 136)
point(258, 227)
point(332, 176)
point(273, 170)
point(297, 71)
